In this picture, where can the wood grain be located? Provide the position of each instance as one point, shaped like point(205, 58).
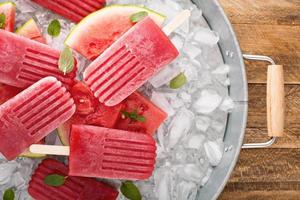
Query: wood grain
point(279, 42)
point(261, 195)
point(257, 106)
point(268, 27)
point(275, 12)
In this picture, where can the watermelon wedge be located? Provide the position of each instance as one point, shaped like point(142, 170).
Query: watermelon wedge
point(89, 111)
point(9, 10)
point(31, 30)
point(99, 30)
point(152, 116)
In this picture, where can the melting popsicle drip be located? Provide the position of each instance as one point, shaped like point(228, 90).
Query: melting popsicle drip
point(72, 9)
point(114, 73)
point(37, 65)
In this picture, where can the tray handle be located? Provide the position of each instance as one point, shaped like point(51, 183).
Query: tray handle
point(275, 101)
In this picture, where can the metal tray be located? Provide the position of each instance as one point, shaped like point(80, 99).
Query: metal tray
point(236, 124)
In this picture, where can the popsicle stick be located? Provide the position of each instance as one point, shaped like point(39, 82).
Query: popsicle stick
point(50, 149)
point(177, 22)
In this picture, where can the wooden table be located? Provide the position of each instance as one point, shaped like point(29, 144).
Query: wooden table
point(268, 27)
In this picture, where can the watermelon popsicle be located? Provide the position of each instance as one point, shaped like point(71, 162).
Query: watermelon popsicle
point(132, 60)
point(74, 10)
point(74, 188)
point(32, 114)
point(106, 153)
point(24, 62)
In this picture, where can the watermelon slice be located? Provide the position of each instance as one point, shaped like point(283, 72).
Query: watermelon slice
point(31, 30)
point(153, 116)
point(9, 10)
point(89, 111)
point(99, 30)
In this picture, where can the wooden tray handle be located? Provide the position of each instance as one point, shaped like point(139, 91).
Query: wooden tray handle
point(275, 101)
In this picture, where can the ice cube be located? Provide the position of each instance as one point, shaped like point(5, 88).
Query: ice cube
point(187, 98)
point(202, 123)
point(206, 177)
point(204, 79)
point(162, 182)
point(177, 103)
point(186, 191)
point(18, 181)
point(180, 126)
point(222, 69)
point(214, 151)
point(161, 135)
point(161, 101)
point(164, 76)
point(195, 141)
point(190, 71)
point(208, 101)
point(227, 105)
point(191, 172)
point(178, 41)
point(191, 50)
point(6, 171)
point(26, 6)
point(206, 36)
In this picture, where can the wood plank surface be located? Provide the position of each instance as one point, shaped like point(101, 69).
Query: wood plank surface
point(268, 27)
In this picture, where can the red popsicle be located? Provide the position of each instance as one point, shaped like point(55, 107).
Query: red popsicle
point(74, 10)
point(130, 62)
point(24, 62)
point(74, 188)
point(33, 114)
point(106, 153)
point(109, 153)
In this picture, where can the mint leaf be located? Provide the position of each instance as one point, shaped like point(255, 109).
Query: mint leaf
point(2, 20)
point(134, 116)
point(130, 191)
point(178, 81)
point(54, 28)
point(55, 180)
point(136, 17)
point(9, 194)
point(66, 61)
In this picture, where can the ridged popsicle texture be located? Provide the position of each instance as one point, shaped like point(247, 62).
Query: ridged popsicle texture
point(74, 10)
point(109, 153)
point(130, 62)
point(74, 188)
point(33, 114)
point(24, 62)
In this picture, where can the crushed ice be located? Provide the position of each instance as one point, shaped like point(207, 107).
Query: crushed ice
point(190, 142)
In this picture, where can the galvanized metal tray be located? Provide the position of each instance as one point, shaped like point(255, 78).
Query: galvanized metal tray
point(234, 135)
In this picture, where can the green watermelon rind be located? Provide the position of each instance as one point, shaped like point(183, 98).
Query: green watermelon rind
point(24, 25)
point(71, 39)
point(61, 135)
point(8, 2)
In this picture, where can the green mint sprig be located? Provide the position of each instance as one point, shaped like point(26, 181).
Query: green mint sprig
point(54, 28)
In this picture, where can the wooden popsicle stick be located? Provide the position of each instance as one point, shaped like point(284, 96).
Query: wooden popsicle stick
point(275, 101)
point(177, 22)
point(50, 149)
